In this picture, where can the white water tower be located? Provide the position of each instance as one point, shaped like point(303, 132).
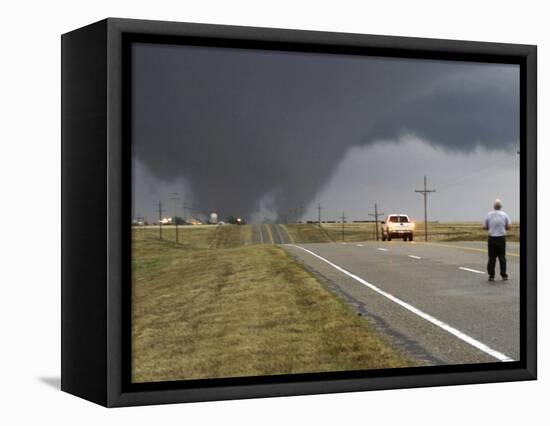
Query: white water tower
point(213, 218)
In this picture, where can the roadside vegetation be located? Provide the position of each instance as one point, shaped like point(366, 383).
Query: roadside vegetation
point(211, 236)
point(199, 236)
point(308, 233)
point(214, 306)
point(352, 231)
point(217, 304)
point(460, 231)
point(437, 231)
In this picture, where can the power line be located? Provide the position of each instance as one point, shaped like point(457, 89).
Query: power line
point(376, 214)
point(425, 192)
point(319, 208)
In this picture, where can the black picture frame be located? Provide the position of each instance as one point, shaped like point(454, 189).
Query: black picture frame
point(96, 180)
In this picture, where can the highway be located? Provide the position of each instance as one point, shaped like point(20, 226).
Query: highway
point(432, 300)
point(270, 234)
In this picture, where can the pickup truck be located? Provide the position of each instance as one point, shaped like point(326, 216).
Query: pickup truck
point(397, 226)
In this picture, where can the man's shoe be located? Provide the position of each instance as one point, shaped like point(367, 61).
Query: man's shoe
point(505, 278)
point(491, 278)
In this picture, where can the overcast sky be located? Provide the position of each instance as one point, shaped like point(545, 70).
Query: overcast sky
point(265, 134)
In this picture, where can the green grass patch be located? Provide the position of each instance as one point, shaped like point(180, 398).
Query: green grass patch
point(252, 310)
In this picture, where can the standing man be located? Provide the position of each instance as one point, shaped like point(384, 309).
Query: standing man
point(497, 223)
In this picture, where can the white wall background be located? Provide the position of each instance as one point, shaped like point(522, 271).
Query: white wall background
point(30, 201)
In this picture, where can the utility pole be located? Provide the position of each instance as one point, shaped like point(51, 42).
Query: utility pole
point(319, 208)
point(425, 192)
point(376, 215)
point(343, 217)
point(175, 198)
point(160, 219)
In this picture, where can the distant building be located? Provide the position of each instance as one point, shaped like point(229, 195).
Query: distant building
point(166, 221)
point(213, 218)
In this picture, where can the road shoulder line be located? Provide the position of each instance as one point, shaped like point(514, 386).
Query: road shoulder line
point(457, 333)
point(470, 270)
point(467, 248)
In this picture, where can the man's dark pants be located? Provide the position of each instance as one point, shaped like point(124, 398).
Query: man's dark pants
point(497, 248)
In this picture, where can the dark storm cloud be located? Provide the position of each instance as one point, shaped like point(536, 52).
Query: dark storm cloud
point(458, 117)
point(239, 125)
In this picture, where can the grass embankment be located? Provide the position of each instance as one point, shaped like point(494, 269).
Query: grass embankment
point(204, 312)
point(229, 236)
point(308, 233)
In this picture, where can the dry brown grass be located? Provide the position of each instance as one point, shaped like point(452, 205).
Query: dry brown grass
point(200, 312)
point(202, 236)
point(460, 231)
point(307, 233)
point(352, 231)
point(437, 231)
point(236, 236)
point(229, 236)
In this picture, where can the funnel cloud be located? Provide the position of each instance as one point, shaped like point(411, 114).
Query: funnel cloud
point(260, 133)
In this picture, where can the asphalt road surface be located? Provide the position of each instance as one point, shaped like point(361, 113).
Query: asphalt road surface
point(270, 234)
point(433, 300)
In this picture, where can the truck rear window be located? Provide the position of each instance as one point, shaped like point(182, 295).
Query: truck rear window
point(399, 219)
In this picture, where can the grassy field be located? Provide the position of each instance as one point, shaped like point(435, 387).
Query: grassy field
point(437, 231)
point(199, 237)
point(215, 306)
point(460, 231)
point(209, 236)
point(308, 233)
point(352, 231)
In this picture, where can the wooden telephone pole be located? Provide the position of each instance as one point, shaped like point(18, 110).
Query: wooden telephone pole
point(160, 219)
point(425, 192)
point(376, 214)
point(343, 217)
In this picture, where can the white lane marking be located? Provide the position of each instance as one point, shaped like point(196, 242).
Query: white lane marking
point(471, 270)
point(457, 333)
point(359, 245)
point(382, 249)
point(412, 256)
